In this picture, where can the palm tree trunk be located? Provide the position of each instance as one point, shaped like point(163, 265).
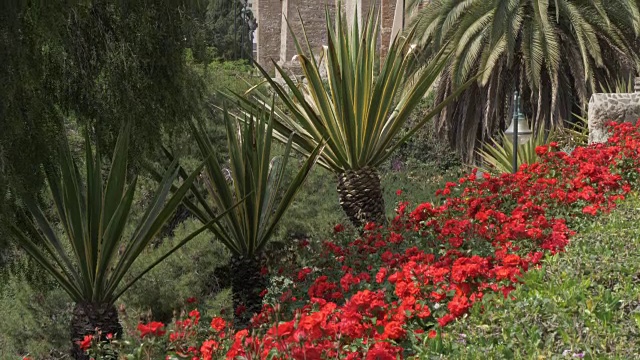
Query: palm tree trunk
point(89, 317)
point(247, 282)
point(360, 194)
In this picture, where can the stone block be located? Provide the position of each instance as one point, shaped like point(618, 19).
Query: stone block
point(268, 14)
point(605, 107)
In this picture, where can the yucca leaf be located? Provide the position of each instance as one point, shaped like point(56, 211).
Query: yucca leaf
point(51, 242)
point(256, 177)
point(497, 157)
point(152, 225)
point(73, 205)
point(94, 205)
point(112, 238)
point(293, 188)
point(72, 288)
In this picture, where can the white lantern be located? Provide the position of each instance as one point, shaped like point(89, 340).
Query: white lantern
point(522, 130)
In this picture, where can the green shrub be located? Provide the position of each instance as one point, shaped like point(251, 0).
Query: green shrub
point(35, 314)
point(427, 145)
point(187, 273)
point(417, 180)
point(585, 302)
point(315, 209)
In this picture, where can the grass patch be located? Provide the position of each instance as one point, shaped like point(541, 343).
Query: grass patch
point(584, 303)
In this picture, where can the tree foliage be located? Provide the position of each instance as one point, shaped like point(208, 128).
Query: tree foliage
point(94, 64)
point(231, 25)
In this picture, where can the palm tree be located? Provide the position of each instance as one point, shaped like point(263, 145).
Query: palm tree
point(91, 261)
point(257, 179)
point(359, 109)
point(553, 52)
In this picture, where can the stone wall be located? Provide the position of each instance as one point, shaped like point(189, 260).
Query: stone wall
point(363, 7)
point(387, 16)
point(611, 107)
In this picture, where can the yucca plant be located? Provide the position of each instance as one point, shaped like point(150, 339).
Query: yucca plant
point(91, 259)
point(259, 179)
point(497, 156)
point(618, 85)
point(575, 134)
point(360, 110)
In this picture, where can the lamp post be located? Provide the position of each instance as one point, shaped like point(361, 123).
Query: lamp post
point(521, 135)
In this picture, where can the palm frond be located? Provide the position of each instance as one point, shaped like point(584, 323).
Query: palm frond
point(554, 52)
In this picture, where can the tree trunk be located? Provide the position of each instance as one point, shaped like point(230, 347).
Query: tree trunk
point(360, 194)
point(87, 318)
point(247, 282)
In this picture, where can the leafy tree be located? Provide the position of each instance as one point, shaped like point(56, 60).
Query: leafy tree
point(554, 52)
point(95, 64)
point(230, 26)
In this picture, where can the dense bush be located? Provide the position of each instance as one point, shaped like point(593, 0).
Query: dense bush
point(35, 313)
point(427, 146)
point(190, 272)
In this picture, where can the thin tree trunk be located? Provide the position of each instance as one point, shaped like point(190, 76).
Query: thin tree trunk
point(88, 319)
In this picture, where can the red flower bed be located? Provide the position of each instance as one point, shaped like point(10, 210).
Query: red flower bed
point(378, 296)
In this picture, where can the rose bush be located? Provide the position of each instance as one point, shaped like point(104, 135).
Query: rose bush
point(383, 294)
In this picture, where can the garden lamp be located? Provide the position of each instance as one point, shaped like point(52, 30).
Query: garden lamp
point(518, 130)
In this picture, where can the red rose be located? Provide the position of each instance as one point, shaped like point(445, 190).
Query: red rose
point(85, 343)
point(208, 348)
point(153, 328)
point(218, 324)
point(393, 330)
point(370, 226)
point(541, 150)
